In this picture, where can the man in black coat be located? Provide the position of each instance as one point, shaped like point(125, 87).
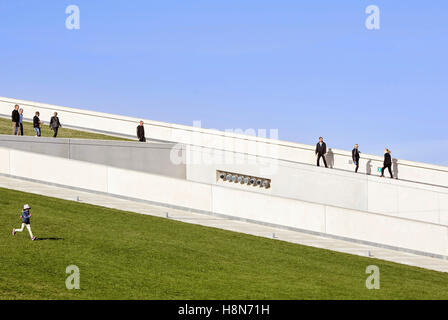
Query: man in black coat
point(15, 117)
point(55, 124)
point(141, 132)
point(387, 163)
point(321, 150)
point(355, 157)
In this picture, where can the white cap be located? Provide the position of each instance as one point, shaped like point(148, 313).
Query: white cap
point(25, 207)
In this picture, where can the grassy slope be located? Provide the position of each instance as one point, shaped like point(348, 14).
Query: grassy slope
point(28, 130)
point(124, 255)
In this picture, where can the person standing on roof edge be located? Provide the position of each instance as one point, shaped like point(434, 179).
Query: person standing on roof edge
point(321, 150)
point(355, 157)
point(141, 132)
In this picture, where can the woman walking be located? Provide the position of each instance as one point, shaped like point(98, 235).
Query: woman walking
point(387, 163)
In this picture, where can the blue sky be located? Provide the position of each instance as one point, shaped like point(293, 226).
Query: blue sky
point(306, 68)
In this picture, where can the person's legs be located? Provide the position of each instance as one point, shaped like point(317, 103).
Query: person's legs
point(325, 161)
point(14, 128)
point(28, 226)
point(21, 129)
point(390, 171)
point(55, 132)
point(318, 160)
point(357, 166)
point(21, 229)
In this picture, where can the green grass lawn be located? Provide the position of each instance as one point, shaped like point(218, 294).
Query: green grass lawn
point(28, 130)
point(124, 255)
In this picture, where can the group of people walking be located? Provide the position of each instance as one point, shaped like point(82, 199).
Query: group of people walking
point(17, 122)
point(55, 124)
point(321, 151)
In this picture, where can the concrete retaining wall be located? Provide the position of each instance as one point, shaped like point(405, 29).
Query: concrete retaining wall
point(355, 225)
point(145, 157)
point(327, 186)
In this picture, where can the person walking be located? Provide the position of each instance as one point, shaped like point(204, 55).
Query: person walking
point(387, 163)
point(321, 150)
point(141, 132)
point(26, 215)
point(21, 122)
point(36, 124)
point(355, 157)
point(15, 117)
point(55, 124)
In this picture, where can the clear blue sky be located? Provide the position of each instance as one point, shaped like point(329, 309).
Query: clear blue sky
point(307, 68)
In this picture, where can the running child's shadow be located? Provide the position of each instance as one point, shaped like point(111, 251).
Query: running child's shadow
point(49, 239)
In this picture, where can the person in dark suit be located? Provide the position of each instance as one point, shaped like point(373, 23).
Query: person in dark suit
point(355, 157)
point(141, 132)
point(387, 163)
point(321, 150)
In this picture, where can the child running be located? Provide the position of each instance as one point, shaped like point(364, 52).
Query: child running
point(26, 215)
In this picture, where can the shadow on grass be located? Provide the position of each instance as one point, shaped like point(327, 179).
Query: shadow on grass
point(49, 239)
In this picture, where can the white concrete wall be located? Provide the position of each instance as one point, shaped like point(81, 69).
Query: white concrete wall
point(326, 186)
point(353, 224)
point(152, 157)
point(260, 147)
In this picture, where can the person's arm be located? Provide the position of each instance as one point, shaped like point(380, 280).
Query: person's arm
point(317, 147)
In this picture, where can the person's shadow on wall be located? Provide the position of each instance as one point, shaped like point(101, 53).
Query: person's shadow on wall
point(330, 158)
point(395, 168)
point(369, 167)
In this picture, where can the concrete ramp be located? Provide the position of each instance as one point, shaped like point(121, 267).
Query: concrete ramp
point(152, 157)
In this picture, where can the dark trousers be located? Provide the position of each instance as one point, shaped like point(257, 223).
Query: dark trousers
point(55, 132)
point(21, 129)
point(356, 162)
point(318, 160)
point(390, 170)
